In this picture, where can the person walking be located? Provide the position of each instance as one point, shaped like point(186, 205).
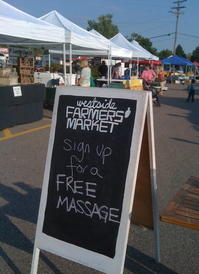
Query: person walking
point(191, 89)
point(85, 74)
point(161, 79)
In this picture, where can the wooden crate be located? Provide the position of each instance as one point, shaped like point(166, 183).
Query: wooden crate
point(183, 210)
point(26, 70)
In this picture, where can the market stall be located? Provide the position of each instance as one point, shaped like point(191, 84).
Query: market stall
point(82, 42)
point(121, 41)
point(178, 67)
point(21, 104)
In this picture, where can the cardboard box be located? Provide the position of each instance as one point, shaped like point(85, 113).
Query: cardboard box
point(9, 81)
point(4, 72)
point(133, 84)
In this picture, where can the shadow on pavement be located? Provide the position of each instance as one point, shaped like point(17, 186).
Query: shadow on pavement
point(137, 262)
point(179, 102)
point(24, 205)
point(186, 141)
point(21, 206)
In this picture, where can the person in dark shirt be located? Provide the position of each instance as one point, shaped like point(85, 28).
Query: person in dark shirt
point(103, 69)
point(75, 67)
point(191, 89)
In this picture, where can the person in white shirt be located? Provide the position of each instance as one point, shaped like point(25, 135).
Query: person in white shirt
point(57, 76)
point(85, 74)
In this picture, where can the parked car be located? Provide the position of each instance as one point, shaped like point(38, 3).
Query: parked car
point(3, 57)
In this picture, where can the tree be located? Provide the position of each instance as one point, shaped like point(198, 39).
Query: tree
point(180, 52)
point(195, 55)
point(144, 42)
point(164, 53)
point(189, 56)
point(104, 26)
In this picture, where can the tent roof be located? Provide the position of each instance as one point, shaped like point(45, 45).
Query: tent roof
point(74, 34)
point(17, 27)
point(116, 51)
point(176, 60)
point(93, 31)
point(116, 54)
point(121, 41)
point(136, 44)
point(189, 63)
point(196, 63)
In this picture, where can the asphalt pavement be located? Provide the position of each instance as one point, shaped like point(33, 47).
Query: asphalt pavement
point(23, 154)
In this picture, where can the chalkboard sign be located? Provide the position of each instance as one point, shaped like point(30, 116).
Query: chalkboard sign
point(88, 171)
point(90, 175)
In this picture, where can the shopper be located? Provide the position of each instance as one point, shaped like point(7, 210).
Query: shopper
point(103, 69)
point(161, 79)
point(191, 89)
point(76, 68)
point(85, 74)
point(148, 75)
point(116, 71)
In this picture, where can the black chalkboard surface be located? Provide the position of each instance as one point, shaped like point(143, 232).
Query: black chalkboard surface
point(89, 163)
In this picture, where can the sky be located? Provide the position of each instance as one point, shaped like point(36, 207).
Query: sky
point(152, 19)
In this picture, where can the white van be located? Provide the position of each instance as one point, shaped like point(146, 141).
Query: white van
point(3, 57)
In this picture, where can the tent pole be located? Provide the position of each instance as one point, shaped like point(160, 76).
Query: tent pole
point(49, 62)
point(109, 64)
point(137, 66)
point(64, 62)
point(70, 60)
point(130, 67)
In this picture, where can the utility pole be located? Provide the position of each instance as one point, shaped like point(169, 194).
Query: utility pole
point(177, 12)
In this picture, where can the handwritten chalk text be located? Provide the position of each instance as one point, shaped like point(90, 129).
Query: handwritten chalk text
point(89, 209)
point(94, 115)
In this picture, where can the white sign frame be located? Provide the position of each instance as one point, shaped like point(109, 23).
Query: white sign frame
point(70, 251)
point(17, 91)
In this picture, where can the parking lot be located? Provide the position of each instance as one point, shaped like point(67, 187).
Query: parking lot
point(23, 154)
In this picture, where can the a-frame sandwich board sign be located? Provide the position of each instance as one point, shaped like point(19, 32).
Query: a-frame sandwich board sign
point(145, 209)
point(90, 175)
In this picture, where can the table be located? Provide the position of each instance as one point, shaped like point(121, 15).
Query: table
point(183, 210)
point(21, 109)
point(101, 81)
point(134, 84)
point(111, 80)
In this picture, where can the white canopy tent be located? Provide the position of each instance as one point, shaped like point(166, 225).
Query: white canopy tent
point(76, 37)
point(17, 27)
point(136, 44)
point(121, 41)
point(84, 43)
point(115, 50)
